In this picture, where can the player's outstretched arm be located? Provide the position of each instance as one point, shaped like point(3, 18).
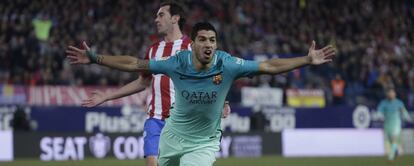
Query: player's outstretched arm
point(314, 57)
point(86, 56)
point(99, 97)
point(407, 115)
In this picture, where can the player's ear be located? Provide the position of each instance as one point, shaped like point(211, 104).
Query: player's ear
point(175, 19)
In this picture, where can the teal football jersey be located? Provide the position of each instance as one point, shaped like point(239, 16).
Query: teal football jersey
point(391, 109)
point(200, 95)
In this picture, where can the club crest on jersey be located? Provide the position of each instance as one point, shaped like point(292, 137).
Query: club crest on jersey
point(239, 61)
point(217, 79)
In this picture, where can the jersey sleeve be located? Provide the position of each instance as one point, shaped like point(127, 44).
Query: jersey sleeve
point(380, 107)
point(402, 105)
point(165, 66)
point(241, 67)
point(405, 114)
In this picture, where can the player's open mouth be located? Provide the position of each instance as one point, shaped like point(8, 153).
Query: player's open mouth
point(208, 52)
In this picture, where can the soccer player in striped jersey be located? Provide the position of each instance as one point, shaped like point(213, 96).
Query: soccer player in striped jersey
point(392, 109)
point(169, 20)
point(202, 79)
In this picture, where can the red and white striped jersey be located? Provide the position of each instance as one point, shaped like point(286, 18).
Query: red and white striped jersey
point(162, 87)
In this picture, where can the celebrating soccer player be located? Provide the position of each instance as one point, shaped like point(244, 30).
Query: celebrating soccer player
point(169, 20)
point(202, 77)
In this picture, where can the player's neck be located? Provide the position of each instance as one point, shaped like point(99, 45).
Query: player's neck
point(175, 34)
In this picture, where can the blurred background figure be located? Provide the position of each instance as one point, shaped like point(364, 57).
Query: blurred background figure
point(42, 26)
point(20, 121)
point(393, 110)
point(338, 89)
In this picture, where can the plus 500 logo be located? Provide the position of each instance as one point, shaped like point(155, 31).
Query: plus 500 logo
point(100, 121)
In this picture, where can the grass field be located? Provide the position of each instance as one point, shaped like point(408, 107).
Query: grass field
point(262, 161)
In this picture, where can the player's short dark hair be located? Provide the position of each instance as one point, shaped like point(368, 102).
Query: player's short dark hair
point(202, 26)
point(176, 9)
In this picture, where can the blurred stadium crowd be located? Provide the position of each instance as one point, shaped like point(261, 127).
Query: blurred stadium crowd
point(374, 40)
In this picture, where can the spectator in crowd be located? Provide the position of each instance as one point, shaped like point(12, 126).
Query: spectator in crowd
point(42, 25)
point(338, 87)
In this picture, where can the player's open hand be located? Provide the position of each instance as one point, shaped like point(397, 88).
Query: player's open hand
point(226, 110)
point(321, 56)
point(97, 98)
point(78, 55)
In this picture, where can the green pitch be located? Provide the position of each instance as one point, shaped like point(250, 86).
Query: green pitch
point(261, 161)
